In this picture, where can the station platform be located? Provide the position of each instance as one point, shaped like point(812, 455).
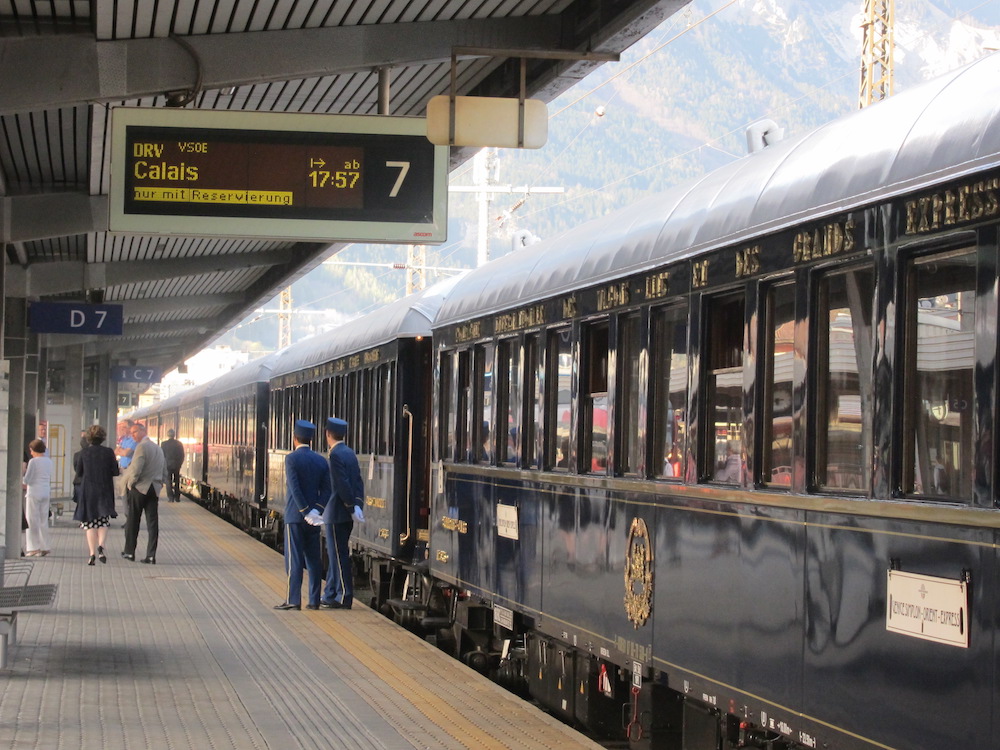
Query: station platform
point(190, 654)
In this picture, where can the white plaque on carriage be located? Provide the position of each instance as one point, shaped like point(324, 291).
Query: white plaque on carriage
point(935, 609)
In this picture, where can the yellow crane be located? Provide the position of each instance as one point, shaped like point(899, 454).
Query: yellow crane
point(876, 51)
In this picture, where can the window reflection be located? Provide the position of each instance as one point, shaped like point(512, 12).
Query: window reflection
point(724, 392)
point(560, 372)
point(939, 375)
point(780, 361)
point(844, 383)
point(668, 353)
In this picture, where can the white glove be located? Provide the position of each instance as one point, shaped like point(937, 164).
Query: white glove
point(357, 515)
point(313, 518)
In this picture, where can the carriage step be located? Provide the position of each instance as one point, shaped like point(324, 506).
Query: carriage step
point(406, 605)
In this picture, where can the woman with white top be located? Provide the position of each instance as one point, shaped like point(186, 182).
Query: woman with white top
point(37, 479)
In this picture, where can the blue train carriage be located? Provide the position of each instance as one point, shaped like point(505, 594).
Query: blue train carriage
point(183, 413)
point(235, 408)
point(720, 470)
point(374, 372)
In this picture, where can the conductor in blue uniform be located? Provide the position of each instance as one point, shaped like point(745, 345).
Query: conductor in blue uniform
point(338, 519)
point(307, 478)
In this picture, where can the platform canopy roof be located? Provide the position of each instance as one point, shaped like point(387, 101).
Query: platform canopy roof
point(64, 64)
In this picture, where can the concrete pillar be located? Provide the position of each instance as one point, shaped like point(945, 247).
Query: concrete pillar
point(15, 353)
point(74, 391)
point(105, 409)
point(4, 421)
point(32, 410)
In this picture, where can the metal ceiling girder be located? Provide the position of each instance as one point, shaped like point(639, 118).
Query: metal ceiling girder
point(134, 308)
point(46, 72)
point(67, 277)
point(40, 216)
point(132, 331)
point(160, 349)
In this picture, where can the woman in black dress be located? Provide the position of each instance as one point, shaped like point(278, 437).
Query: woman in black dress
point(96, 465)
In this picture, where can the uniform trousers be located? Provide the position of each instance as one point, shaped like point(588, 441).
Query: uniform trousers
point(339, 577)
point(302, 550)
point(138, 504)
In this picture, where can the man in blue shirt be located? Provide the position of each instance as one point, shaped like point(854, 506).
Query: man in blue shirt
point(308, 481)
point(344, 508)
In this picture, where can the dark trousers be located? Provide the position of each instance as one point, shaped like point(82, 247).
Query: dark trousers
point(339, 576)
point(302, 551)
point(174, 485)
point(138, 504)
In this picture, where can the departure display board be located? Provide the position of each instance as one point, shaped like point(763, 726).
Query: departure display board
point(277, 176)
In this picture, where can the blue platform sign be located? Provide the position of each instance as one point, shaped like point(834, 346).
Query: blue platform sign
point(75, 317)
point(136, 374)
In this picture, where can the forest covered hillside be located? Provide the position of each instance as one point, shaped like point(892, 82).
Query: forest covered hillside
point(675, 107)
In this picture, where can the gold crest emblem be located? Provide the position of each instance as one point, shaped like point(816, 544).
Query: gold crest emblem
point(638, 574)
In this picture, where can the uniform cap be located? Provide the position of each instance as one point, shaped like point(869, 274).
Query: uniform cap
point(304, 429)
point(336, 426)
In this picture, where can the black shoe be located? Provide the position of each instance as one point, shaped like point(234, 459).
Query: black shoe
point(101, 556)
point(128, 556)
point(336, 605)
point(312, 606)
point(91, 561)
point(148, 560)
point(286, 605)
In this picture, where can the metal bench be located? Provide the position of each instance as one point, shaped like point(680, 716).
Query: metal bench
point(17, 594)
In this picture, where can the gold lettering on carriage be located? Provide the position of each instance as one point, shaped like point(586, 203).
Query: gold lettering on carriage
point(375, 502)
point(454, 524)
point(372, 356)
point(469, 331)
point(658, 285)
point(699, 274)
point(949, 208)
point(747, 261)
point(613, 296)
point(822, 242)
point(515, 321)
point(569, 307)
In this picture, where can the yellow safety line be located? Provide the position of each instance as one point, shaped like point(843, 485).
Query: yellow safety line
point(424, 700)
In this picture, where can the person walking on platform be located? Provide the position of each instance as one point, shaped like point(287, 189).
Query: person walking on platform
point(341, 512)
point(96, 468)
point(308, 488)
point(173, 454)
point(124, 448)
point(37, 484)
point(143, 479)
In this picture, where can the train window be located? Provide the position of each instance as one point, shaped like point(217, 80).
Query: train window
point(779, 361)
point(351, 408)
point(464, 408)
point(388, 405)
point(724, 389)
point(594, 403)
point(668, 354)
point(534, 378)
point(559, 393)
point(447, 406)
point(366, 409)
point(630, 426)
point(509, 401)
point(843, 445)
point(939, 371)
point(484, 401)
